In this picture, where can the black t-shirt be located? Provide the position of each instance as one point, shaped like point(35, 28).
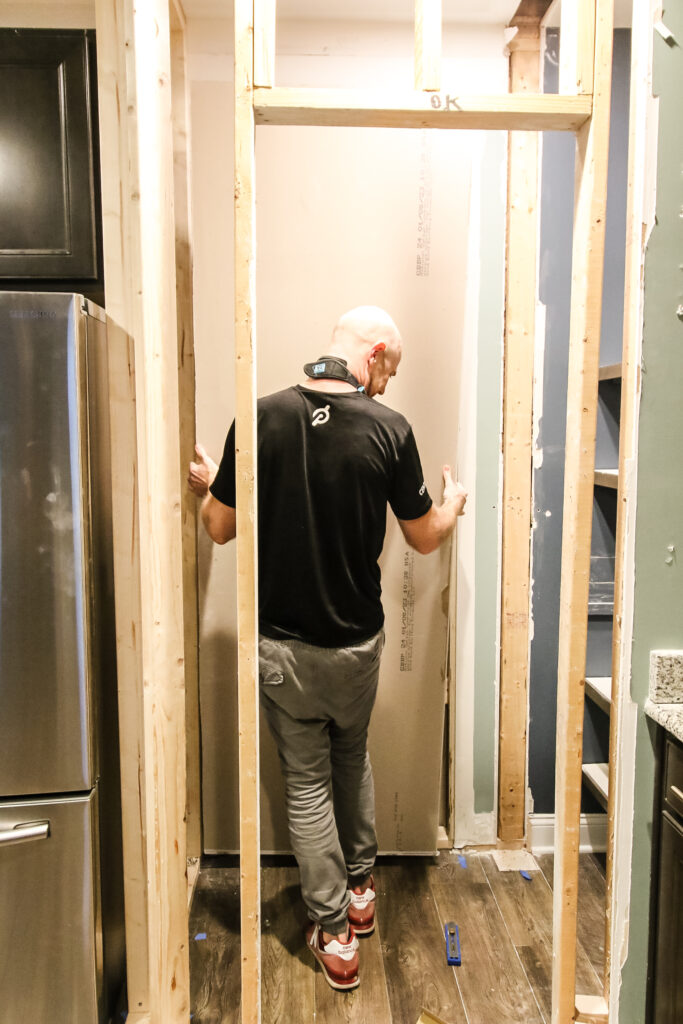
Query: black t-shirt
point(328, 463)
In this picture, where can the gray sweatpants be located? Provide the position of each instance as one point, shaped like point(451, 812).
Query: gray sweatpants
point(317, 701)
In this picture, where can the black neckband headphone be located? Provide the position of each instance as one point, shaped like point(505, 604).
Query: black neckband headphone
point(332, 368)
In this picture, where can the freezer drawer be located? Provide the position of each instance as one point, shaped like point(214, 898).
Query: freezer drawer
point(50, 934)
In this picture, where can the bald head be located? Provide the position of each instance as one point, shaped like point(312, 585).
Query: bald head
point(368, 324)
point(369, 340)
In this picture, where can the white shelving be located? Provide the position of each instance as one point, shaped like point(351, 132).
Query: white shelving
point(612, 372)
point(607, 478)
point(599, 690)
point(596, 777)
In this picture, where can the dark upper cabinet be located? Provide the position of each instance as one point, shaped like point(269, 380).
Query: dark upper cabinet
point(49, 191)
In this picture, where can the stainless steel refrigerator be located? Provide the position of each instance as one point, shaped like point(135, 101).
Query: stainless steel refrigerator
point(61, 905)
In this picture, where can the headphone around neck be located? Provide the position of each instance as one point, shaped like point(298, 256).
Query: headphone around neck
point(332, 368)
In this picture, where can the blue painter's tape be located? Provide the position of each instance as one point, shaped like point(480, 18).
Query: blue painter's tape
point(200, 936)
point(526, 875)
point(462, 861)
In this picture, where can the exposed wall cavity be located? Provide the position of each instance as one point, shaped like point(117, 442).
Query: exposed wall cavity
point(557, 191)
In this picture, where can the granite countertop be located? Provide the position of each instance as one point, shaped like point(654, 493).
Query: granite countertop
point(668, 715)
point(665, 703)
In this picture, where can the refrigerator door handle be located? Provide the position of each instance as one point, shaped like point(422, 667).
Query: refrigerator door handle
point(25, 833)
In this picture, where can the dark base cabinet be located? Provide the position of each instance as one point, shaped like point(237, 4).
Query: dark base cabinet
point(50, 221)
point(667, 989)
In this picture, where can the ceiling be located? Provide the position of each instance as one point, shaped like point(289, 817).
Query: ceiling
point(487, 12)
point(496, 12)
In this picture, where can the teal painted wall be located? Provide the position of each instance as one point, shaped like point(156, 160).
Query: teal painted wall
point(658, 608)
point(489, 413)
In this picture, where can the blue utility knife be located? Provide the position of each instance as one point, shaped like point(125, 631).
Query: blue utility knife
point(452, 943)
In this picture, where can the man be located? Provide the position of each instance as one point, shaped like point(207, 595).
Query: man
point(329, 460)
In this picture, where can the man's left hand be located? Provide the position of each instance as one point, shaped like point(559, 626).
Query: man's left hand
point(201, 473)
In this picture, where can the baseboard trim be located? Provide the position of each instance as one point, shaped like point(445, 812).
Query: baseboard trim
point(592, 833)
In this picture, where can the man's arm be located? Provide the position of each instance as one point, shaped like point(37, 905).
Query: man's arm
point(219, 519)
point(430, 530)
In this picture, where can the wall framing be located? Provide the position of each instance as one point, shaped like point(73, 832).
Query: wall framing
point(140, 255)
point(581, 22)
point(586, 111)
point(147, 258)
point(520, 321)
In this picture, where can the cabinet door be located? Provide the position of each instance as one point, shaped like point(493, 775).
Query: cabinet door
point(668, 997)
point(47, 199)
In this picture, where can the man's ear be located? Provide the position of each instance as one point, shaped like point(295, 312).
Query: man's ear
point(379, 347)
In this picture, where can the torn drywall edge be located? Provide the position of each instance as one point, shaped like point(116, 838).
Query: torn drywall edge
point(537, 455)
point(539, 369)
point(480, 829)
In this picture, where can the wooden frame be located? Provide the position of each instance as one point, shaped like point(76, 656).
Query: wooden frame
point(147, 256)
point(520, 319)
point(245, 475)
point(581, 22)
point(135, 77)
point(180, 103)
point(577, 109)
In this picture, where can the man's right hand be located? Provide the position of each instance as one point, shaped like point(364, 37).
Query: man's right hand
point(201, 473)
point(454, 491)
point(430, 530)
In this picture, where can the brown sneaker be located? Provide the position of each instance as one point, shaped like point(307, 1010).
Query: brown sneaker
point(339, 960)
point(362, 908)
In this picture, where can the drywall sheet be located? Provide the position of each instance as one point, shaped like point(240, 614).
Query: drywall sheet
point(344, 218)
point(351, 217)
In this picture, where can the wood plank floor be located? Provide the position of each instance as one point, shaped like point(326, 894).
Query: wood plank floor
point(504, 921)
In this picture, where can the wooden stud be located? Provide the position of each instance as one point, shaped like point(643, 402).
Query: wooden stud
point(264, 43)
point(139, 255)
point(246, 498)
point(186, 395)
point(520, 316)
point(121, 266)
point(577, 46)
point(428, 45)
point(584, 351)
point(395, 109)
